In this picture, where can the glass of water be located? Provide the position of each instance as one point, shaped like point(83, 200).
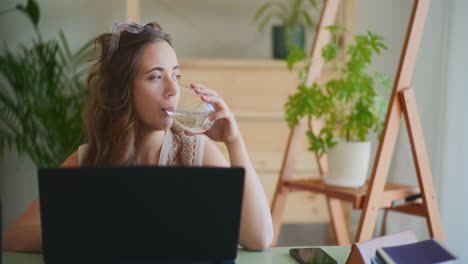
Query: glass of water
point(191, 113)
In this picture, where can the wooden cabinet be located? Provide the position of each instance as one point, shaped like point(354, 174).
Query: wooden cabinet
point(255, 91)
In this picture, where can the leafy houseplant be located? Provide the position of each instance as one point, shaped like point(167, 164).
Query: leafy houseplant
point(292, 15)
point(42, 96)
point(349, 104)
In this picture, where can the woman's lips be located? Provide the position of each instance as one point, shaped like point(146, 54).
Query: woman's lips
point(168, 109)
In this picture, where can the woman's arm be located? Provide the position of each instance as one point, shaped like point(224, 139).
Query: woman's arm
point(256, 231)
point(25, 235)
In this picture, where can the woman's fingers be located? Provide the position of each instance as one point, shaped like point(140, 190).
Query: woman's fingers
point(188, 133)
point(219, 115)
point(209, 96)
point(201, 89)
point(215, 100)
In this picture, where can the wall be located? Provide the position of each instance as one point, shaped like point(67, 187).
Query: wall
point(439, 81)
point(451, 167)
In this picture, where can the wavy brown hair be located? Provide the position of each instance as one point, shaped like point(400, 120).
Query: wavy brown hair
point(109, 120)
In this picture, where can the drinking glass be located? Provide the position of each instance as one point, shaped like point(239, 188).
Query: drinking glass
point(191, 113)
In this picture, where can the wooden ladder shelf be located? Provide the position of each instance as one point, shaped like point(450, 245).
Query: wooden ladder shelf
point(377, 193)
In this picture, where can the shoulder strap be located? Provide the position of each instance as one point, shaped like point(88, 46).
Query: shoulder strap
point(81, 152)
point(165, 149)
point(199, 147)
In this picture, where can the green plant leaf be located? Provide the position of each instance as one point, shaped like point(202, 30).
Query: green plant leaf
point(336, 28)
point(289, 13)
point(31, 10)
point(41, 101)
point(348, 103)
point(65, 45)
point(294, 56)
point(261, 10)
point(295, 11)
point(314, 4)
point(309, 22)
point(268, 17)
point(282, 7)
point(330, 52)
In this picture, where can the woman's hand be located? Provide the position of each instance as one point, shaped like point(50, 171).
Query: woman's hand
point(225, 127)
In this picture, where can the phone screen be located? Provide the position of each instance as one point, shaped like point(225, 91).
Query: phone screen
point(311, 256)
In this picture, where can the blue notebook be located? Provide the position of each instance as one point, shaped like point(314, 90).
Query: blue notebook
point(422, 252)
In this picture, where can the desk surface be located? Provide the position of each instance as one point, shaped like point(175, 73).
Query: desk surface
point(276, 255)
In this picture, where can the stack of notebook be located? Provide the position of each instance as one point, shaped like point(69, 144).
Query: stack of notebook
point(423, 252)
point(400, 248)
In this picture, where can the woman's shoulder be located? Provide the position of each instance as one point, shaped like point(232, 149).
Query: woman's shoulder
point(71, 161)
point(74, 160)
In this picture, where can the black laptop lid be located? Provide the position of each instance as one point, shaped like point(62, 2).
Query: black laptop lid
point(140, 213)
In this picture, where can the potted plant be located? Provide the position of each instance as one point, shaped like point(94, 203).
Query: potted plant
point(42, 96)
point(294, 16)
point(349, 106)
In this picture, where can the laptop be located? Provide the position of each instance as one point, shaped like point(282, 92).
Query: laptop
point(140, 214)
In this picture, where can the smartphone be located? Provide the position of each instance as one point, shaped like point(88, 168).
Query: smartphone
point(311, 256)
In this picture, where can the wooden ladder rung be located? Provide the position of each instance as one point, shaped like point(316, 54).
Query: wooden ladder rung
point(414, 208)
point(356, 196)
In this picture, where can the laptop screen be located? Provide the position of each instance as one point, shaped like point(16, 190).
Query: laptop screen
point(140, 213)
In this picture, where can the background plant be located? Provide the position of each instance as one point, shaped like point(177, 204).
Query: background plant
point(349, 104)
point(42, 95)
point(288, 12)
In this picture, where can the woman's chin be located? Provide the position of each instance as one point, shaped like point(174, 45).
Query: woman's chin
point(165, 124)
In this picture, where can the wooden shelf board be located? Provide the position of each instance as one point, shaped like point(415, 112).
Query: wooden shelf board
point(356, 196)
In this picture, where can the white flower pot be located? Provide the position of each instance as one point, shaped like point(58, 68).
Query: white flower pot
point(348, 163)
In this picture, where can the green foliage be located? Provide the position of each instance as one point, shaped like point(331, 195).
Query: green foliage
point(294, 56)
point(31, 10)
point(288, 12)
point(41, 97)
point(349, 104)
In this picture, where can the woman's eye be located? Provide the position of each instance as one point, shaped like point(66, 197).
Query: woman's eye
point(177, 77)
point(157, 77)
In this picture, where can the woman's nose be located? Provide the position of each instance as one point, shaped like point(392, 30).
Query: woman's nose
point(171, 88)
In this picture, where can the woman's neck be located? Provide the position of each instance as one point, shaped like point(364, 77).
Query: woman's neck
point(148, 146)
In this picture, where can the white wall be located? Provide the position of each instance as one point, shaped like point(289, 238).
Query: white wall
point(453, 157)
point(439, 81)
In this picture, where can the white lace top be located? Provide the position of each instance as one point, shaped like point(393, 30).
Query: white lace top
point(177, 149)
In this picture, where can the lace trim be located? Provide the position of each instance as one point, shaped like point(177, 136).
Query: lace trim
point(185, 150)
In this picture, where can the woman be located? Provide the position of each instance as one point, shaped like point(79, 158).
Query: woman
point(132, 83)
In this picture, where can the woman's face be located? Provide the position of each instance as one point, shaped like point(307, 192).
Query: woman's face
point(154, 88)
